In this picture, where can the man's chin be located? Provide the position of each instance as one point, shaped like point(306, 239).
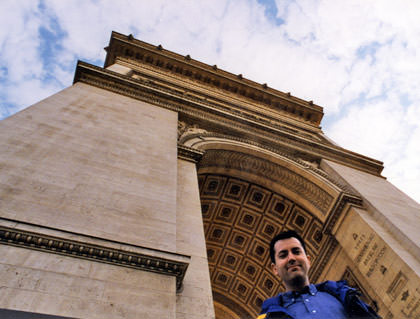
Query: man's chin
point(298, 280)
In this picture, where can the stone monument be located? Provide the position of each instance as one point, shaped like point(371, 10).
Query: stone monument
point(151, 188)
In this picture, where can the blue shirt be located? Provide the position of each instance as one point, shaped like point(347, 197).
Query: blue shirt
point(314, 304)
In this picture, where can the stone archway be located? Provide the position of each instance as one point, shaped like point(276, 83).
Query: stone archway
point(248, 194)
point(240, 218)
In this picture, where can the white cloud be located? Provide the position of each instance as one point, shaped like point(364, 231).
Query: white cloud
point(368, 127)
point(387, 131)
point(19, 44)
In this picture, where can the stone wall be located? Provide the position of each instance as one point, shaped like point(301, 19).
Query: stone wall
point(90, 161)
point(47, 283)
point(378, 245)
point(99, 169)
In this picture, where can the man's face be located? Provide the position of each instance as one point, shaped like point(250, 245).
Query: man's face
point(291, 263)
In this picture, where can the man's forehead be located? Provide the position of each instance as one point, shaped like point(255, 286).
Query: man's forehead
point(287, 243)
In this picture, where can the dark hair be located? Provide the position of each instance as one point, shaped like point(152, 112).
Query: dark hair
point(285, 235)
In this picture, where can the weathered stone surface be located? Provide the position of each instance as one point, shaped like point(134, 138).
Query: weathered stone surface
point(379, 245)
point(90, 161)
point(196, 296)
point(389, 206)
point(46, 283)
point(380, 266)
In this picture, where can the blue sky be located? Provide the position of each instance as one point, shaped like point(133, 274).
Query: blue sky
point(358, 59)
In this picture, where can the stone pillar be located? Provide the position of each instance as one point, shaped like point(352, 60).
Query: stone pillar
point(195, 299)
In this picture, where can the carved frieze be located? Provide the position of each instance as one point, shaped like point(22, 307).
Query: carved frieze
point(276, 173)
point(269, 131)
point(71, 248)
point(155, 57)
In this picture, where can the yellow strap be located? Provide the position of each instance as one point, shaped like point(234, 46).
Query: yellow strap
point(262, 316)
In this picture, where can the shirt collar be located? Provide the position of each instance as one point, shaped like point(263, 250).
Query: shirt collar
point(312, 289)
point(290, 297)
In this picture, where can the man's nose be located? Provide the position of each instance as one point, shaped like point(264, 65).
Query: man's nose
point(291, 258)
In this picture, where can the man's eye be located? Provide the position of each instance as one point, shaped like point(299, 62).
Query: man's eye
point(296, 252)
point(282, 256)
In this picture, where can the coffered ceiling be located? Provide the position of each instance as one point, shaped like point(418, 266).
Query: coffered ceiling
point(240, 218)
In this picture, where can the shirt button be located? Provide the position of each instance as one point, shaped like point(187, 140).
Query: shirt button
point(313, 311)
point(307, 300)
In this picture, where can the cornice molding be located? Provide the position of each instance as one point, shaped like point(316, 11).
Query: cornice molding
point(208, 112)
point(338, 209)
point(103, 254)
point(189, 154)
point(253, 109)
point(183, 66)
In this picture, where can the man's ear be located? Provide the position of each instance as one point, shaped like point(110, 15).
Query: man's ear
point(274, 269)
point(309, 259)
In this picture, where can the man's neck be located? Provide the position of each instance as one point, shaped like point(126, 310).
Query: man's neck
point(298, 289)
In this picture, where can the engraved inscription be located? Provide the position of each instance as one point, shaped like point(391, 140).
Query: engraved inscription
point(364, 249)
point(383, 269)
point(375, 262)
point(405, 295)
point(359, 241)
point(370, 254)
point(412, 308)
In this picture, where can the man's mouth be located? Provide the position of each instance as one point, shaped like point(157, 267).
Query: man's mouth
point(293, 268)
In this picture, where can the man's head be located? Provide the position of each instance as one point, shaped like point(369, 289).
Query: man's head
point(289, 260)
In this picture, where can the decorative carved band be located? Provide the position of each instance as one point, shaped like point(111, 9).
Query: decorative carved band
point(189, 154)
point(279, 174)
point(203, 134)
point(97, 253)
point(177, 99)
point(324, 257)
point(145, 55)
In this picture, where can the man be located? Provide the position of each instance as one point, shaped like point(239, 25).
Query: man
point(302, 299)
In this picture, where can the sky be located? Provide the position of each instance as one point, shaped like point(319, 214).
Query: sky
point(358, 59)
